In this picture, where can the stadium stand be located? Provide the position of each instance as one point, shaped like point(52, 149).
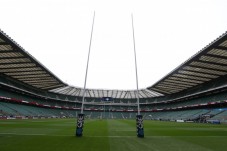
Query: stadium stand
point(194, 91)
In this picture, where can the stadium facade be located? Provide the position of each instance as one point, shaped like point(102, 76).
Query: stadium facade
point(194, 91)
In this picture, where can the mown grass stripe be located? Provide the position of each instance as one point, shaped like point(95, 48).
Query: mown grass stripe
point(114, 136)
point(110, 135)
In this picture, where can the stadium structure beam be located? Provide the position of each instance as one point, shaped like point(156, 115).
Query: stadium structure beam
point(89, 93)
point(121, 94)
point(44, 84)
point(102, 92)
point(64, 90)
point(149, 93)
point(30, 76)
point(52, 86)
point(143, 94)
point(76, 91)
point(125, 94)
point(4, 43)
point(98, 93)
point(203, 70)
point(115, 94)
point(209, 68)
point(211, 62)
point(13, 60)
point(13, 57)
point(130, 95)
point(7, 51)
point(71, 91)
point(15, 70)
point(38, 81)
point(184, 80)
point(191, 77)
point(194, 73)
point(170, 87)
point(17, 63)
point(198, 73)
point(221, 47)
point(181, 82)
point(175, 84)
point(216, 56)
point(40, 78)
point(26, 73)
point(159, 90)
point(112, 93)
point(95, 93)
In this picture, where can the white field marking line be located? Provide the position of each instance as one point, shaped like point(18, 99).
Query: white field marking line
point(18, 134)
point(149, 136)
point(103, 136)
point(124, 130)
point(59, 135)
point(39, 121)
point(22, 134)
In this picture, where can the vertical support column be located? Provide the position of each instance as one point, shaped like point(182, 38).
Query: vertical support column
point(80, 118)
point(139, 118)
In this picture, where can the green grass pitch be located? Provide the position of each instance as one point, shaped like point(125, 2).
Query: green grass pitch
point(110, 135)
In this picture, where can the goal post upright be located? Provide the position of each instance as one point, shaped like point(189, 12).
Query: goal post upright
point(80, 117)
point(139, 117)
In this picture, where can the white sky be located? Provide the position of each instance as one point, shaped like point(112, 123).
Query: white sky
point(167, 33)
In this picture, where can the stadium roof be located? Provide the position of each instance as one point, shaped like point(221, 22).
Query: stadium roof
point(18, 64)
point(96, 93)
point(208, 64)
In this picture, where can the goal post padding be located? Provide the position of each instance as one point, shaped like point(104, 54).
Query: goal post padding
point(139, 126)
point(80, 125)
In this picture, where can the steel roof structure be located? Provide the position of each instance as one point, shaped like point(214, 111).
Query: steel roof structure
point(18, 64)
point(208, 64)
point(98, 93)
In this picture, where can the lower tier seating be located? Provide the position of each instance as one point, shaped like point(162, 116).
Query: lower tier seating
point(18, 110)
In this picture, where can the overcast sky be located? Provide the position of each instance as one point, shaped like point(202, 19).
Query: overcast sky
point(167, 33)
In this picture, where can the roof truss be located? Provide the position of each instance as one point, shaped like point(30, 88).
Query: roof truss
point(209, 64)
point(15, 62)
